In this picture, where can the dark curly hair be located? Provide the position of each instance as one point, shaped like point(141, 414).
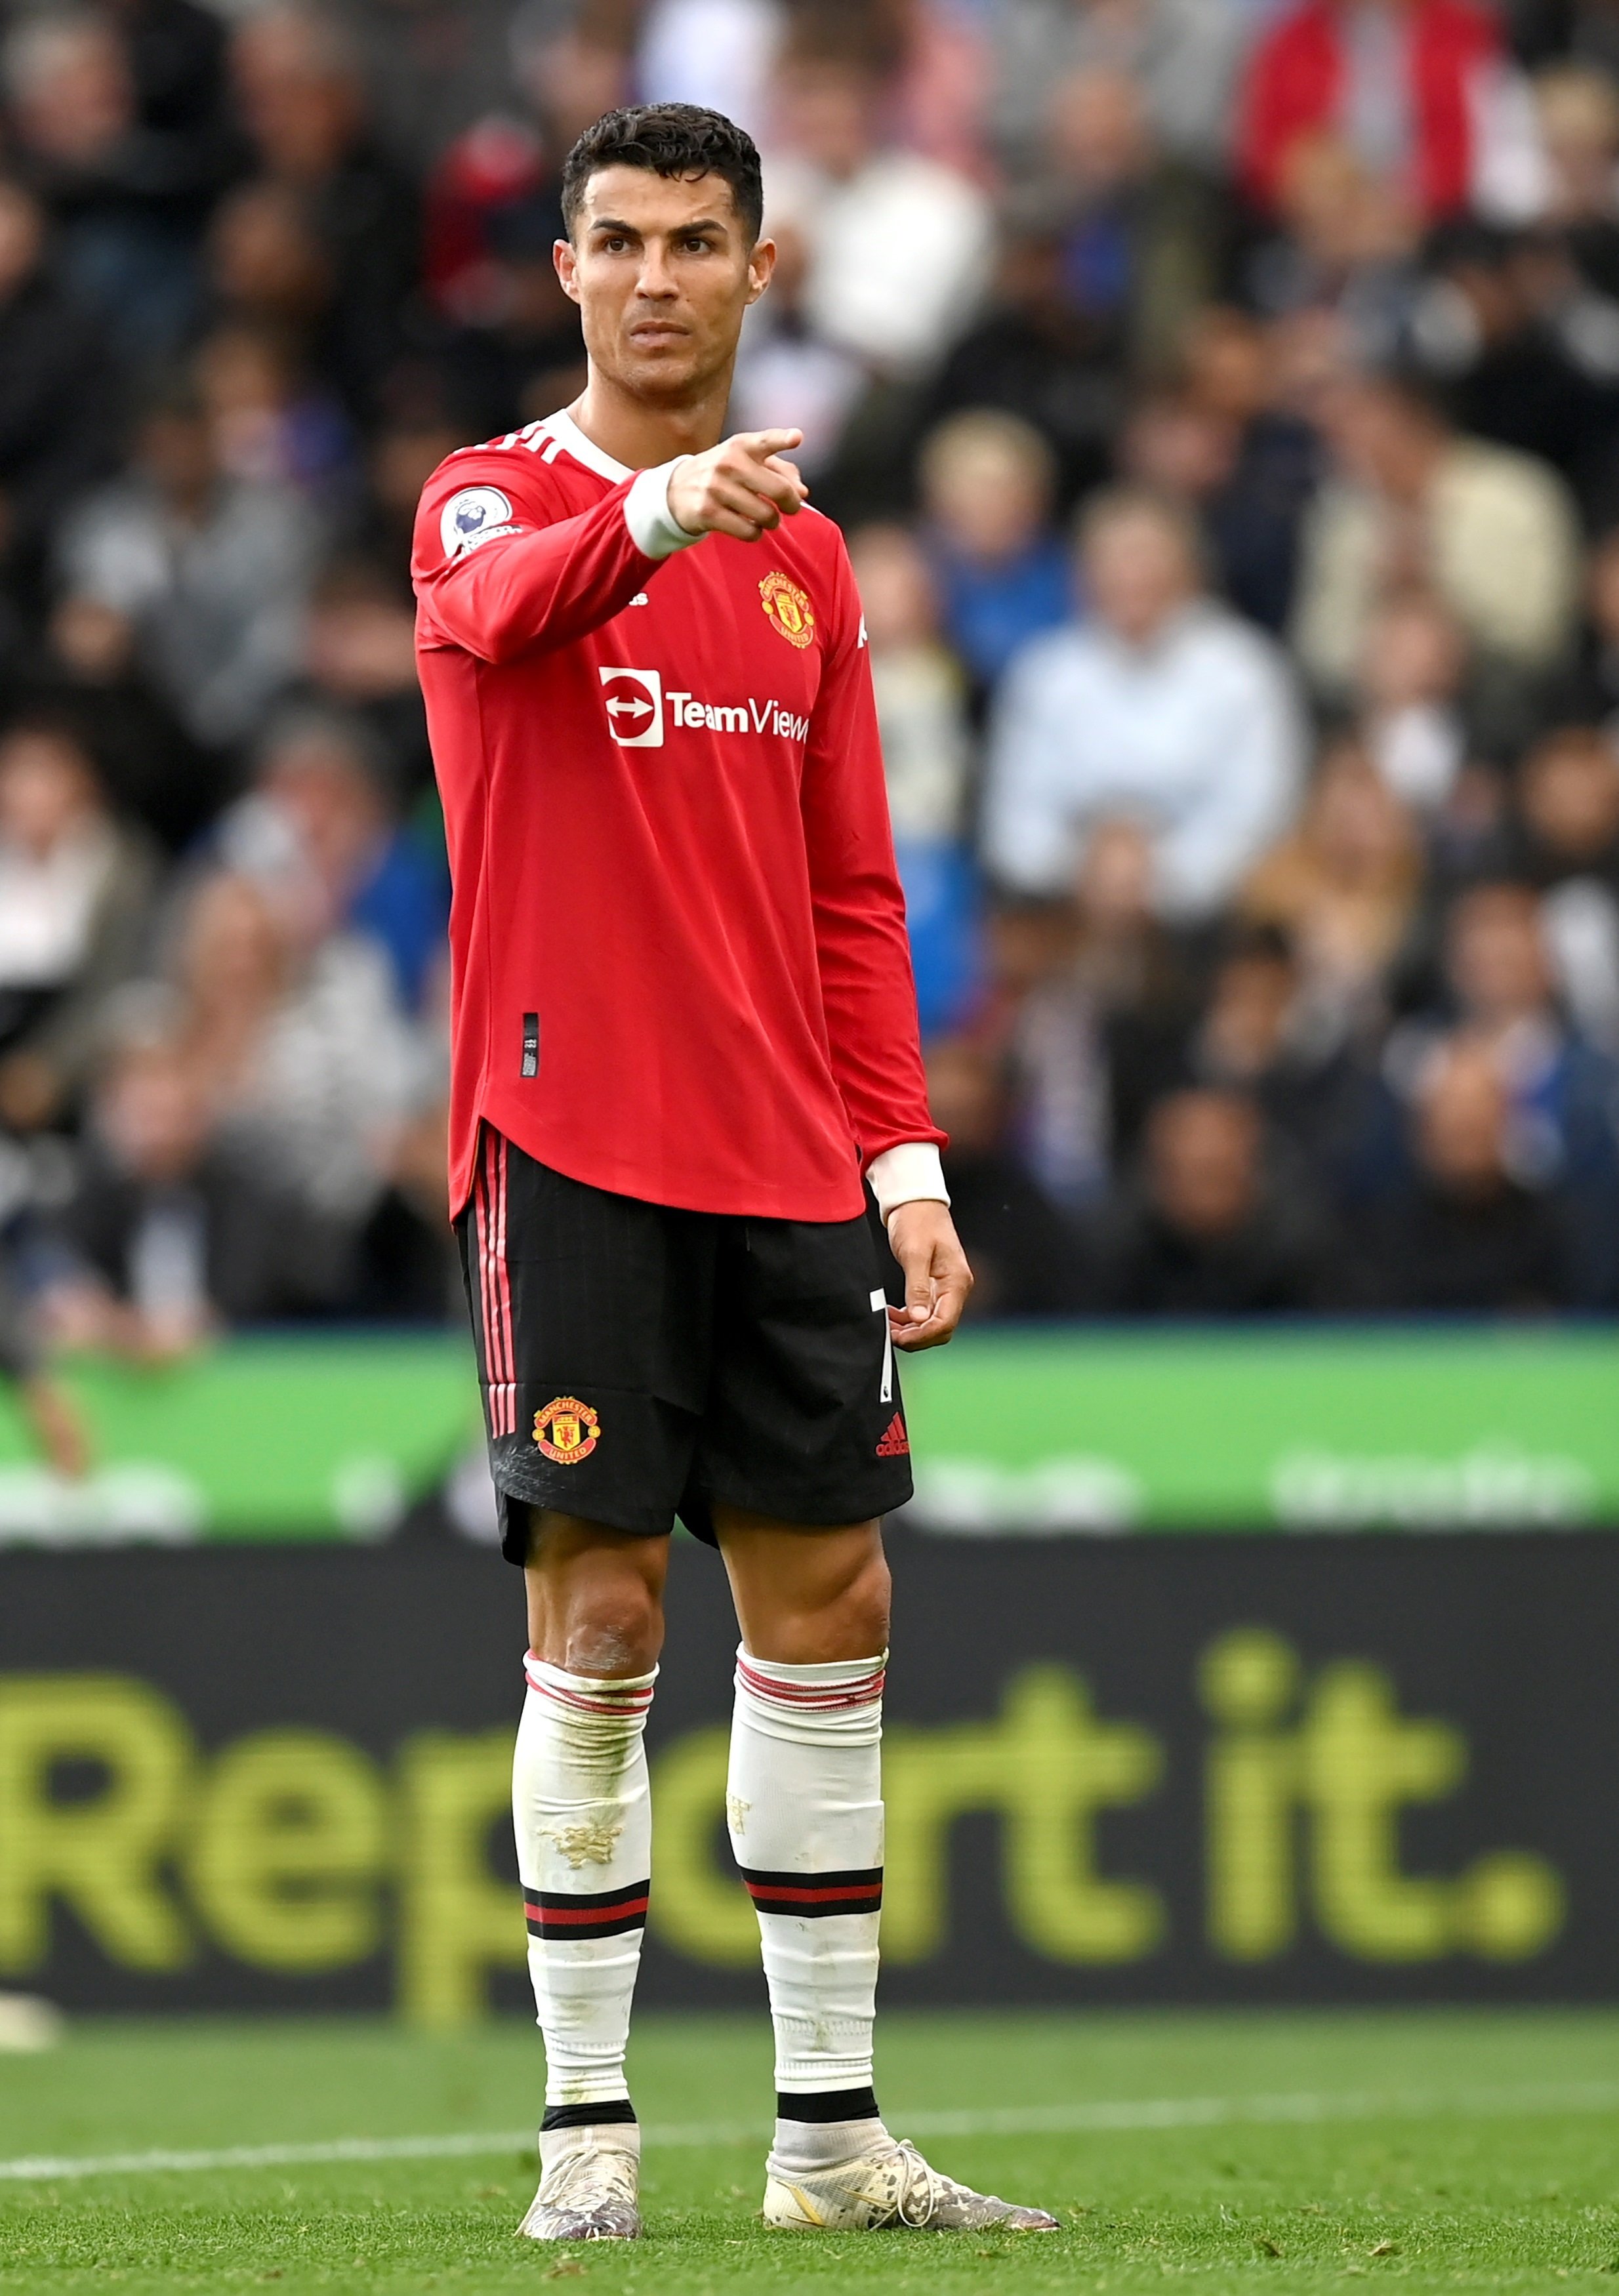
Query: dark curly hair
point(667, 139)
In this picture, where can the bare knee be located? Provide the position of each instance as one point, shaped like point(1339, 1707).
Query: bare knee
point(613, 1635)
point(832, 1607)
point(859, 1618)
point(595, 1598)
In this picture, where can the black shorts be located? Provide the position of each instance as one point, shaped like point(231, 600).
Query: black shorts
point(640, 1362)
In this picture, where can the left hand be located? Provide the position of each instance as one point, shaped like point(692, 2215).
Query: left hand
point(922, 1237)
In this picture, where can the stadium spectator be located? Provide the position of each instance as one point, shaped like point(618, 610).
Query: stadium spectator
point(900, 247)
point(1561, 1092)
point(1343, 887)
point(1099, 1028)
point(789, 377)
point(1520, 352)
point(359, 663)
point(1035, 354)
point(516, 353)
point(1164, 706)
point(76, 894)
point(1588, 691)
point(88, 676)
point(1568, 832)
point(1424, 94)
point(168, 1237)
point(1410, 501)
point(1409, 697)
point(987, 485)
point(1210, 1232)
point(407, 1265)
point(309, 1060)
point(1467, 1236)
point(212, 571)
point(1262, 1033)
point(1183, 58)
point(127, 153)
point(317, 830)
point(1140, 232)
point(271, 424)
point(927, 755)
point(59, 403)
point(303, 102)
point(1254, 503)
point(1025, 1256)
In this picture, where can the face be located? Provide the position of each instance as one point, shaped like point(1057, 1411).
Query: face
point(1413, 655)
point(1461, 1122)
point(896, 588)
point(990, 501)
point(1356, 823)
point(964, 1094)
point(1248, 1016)
point(1114, 884)
point(1137, 573)
point(1498, 961)
point(1202, 1151)
point(1571, 796)
point(46, 790)
point(234, 952)
point(662, 271)
point(178, 454)
point(155, 1116)
point(1381, 441)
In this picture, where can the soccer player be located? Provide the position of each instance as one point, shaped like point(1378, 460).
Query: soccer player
point(684, 1032)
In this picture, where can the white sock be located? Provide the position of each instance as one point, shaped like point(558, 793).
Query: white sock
point(805, 1808)
point(583, 1821)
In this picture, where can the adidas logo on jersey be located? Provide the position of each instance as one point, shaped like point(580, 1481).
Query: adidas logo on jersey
point(638, 708)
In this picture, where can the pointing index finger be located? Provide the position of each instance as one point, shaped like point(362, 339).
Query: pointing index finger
point(763, 444)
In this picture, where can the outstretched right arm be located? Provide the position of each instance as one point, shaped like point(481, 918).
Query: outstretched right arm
point(494, 574)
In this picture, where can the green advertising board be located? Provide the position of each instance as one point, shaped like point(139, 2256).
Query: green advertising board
point(1083, 1429)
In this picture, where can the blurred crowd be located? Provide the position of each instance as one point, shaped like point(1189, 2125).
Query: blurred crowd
point(1221, 399)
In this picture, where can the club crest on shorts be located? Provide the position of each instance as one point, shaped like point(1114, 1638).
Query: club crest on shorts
point(788, 609)
point(567, 1430)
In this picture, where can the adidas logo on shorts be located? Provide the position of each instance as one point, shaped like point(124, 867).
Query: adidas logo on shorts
point(895, 1443)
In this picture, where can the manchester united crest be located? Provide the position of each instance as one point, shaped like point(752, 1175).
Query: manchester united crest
point(567, 1430)
point(789, 609)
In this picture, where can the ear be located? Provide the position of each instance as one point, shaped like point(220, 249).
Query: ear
point(762, 263)
point(566, 259)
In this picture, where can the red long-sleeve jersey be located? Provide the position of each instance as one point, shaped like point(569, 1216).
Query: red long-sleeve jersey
point(678, 962)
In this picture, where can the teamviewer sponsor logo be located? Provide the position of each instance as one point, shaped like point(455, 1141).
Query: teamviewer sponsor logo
point(635, 708)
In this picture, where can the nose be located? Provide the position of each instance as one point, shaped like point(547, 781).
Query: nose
point(656, 281)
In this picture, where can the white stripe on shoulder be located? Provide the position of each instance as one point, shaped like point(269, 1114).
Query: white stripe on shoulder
point(567, 438)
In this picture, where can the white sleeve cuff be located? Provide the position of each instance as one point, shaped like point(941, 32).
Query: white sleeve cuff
point(909, 1174)
point(653, 528)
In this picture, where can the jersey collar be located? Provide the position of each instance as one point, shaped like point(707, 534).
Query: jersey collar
point(571, 439)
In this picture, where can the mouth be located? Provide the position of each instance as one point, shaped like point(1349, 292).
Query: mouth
point(656, 334)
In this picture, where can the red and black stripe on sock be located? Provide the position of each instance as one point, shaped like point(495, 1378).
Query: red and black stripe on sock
point(587, 1913)
point(817, 1897)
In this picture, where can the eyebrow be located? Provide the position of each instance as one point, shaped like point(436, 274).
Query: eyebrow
point(612, 223)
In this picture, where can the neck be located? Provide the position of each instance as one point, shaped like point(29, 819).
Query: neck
point(641, 434)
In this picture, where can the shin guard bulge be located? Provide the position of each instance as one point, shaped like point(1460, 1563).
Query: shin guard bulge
point(583, 1820)
point(805, 1809)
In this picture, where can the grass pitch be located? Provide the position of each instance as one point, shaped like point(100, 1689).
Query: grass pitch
point(1440, 2150)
